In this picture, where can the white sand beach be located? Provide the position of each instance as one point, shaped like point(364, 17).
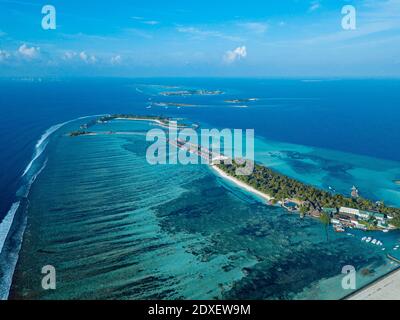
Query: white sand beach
point(148, 120)
point(241, 184)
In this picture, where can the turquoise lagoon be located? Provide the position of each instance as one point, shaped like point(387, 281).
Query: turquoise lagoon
point(115, 227)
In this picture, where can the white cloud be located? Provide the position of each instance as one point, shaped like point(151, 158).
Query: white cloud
point(144, 21)
point(87, 58)
point(68, 55)
point(116, 59)
point(255, 27)
point(4, 55)
point(27, 52)
point(234, 55)
point(314, 6)
point(200, 33)
point(151, 22)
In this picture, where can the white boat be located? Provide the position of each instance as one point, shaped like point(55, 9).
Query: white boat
point(368, 239)
point(374, 241)
point(364, 238)
point(386, 231)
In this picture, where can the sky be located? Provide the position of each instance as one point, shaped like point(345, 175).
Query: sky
point(198, 38)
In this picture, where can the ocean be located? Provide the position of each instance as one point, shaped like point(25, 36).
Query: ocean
point(116, 227)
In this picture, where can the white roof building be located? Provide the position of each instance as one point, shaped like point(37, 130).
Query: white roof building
point(349, 211)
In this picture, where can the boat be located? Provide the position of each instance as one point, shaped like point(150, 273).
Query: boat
point(374, 241)
point(339, 228)
point(386, 231)
point(364, 238)
point(368, 239)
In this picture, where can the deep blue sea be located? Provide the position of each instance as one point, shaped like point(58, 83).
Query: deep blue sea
point(329, 133)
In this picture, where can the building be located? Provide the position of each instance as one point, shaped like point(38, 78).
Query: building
point(350, 211)
point(356, 215)
point(354, 192)
point(330, 211)
point(379, 216)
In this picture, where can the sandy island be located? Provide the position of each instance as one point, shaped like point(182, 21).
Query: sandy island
point(139, 119)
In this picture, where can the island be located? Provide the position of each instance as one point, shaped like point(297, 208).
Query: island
point(80, 133)
point(341, 211)
point(159, 120)
point(241, 100)
point(183, 93)
point(172, 104)
point(277, 189)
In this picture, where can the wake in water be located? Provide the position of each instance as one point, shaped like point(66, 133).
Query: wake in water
point(11, 256)
point(6, 224)
point(42, 142)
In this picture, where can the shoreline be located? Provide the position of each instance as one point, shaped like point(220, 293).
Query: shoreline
point(148, 120)
point(159, 122)
point(241, 184)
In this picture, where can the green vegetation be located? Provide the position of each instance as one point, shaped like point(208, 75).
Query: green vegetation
point(163, 120)
point(79, 133)
point(184, 93)
point(326, 221)
point(282, 187)
point(133, 116)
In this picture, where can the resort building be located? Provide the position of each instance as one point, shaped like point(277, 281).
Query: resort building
point(359, 219)
point(361, 214)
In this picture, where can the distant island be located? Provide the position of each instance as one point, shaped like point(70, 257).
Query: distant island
point(172, 104)
point(241, 100)
point(183, 93)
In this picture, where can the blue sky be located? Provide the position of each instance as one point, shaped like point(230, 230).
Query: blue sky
point(270, 38)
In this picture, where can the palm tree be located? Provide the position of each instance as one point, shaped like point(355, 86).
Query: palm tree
point(326, 220)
